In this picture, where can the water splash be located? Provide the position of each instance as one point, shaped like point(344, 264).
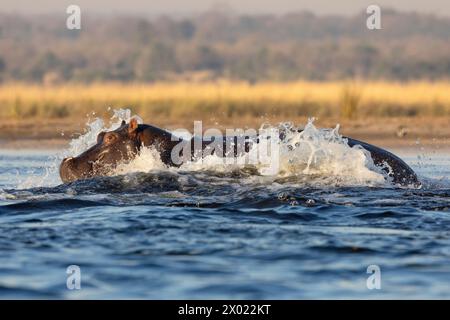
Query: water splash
point(50, 176)
point(89, 138)
point(319, 156)
point(325, 153)
point(322, 155)
point(147, 160)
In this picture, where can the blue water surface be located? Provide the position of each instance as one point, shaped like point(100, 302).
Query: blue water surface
point(206, 235)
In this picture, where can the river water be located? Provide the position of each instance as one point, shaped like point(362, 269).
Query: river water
point(204, 232)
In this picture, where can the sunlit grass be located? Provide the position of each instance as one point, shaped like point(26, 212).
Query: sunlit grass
point(228, 100)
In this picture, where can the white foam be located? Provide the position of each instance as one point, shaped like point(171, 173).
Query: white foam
point(325, 153)
point(148, 160)
point(319, 154)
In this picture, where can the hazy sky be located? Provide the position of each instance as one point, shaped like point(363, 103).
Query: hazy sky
point(156, 7)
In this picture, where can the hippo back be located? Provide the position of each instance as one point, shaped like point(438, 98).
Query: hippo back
point(401, 173)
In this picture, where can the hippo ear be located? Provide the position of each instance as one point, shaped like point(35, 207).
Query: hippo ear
point(133, 125)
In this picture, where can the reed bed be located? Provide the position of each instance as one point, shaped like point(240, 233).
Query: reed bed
point(228, 100)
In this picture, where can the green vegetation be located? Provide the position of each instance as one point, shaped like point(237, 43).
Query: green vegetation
point(216, 45)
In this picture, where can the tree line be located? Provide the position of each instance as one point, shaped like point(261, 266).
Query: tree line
point(217, 45)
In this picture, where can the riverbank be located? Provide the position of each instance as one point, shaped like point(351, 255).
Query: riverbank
point(385, 113)
point(390, 133)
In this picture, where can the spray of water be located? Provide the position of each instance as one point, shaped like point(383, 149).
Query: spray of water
point(320, 155)
point(50, 177)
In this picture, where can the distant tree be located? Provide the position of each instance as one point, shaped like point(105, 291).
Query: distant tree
point(2, 65)
point(187, 29)
point(45, 63)
point(2, 68)
point(297, 45)
point(154, 61)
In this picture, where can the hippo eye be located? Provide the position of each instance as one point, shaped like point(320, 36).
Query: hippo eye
point(109, 138)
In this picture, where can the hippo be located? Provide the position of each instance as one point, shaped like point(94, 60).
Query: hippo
point(124, 143)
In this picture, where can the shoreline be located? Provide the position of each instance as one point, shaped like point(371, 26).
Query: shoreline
point(393, 133)
point(405, 144)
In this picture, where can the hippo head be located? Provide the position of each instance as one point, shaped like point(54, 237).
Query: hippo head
point(112, 148)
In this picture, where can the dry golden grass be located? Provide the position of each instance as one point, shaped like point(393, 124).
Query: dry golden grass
point(228, 100)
